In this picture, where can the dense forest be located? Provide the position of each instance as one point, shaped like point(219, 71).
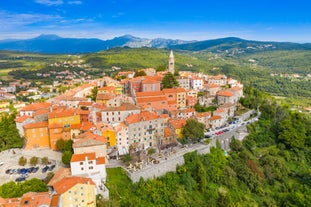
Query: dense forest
point(271, 167)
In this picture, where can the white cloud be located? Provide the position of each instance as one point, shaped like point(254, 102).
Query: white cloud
point(13, 21)
point(50, 2)
point(75, 2)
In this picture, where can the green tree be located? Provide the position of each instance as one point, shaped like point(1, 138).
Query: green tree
point(193, 130)
point(22, 161)
point(45, 160)
point(169, 81)
point(140, 73)
point(66, 157)
point(68, 146)
point(33, 161)
point(60, 144)
point(13, 190)
point(9, 136)
point(93, 94)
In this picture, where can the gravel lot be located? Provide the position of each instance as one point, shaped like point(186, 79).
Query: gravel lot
point(10, 159)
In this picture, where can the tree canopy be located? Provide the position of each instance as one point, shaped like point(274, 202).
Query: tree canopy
point(9, 136)
point(193, 130)
point(13, 190)
point(169, 81)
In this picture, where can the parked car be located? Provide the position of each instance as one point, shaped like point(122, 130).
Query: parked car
point(35, 169)
point(45, 169)
point(8, 171)
point(51, 167)
point(19, 179)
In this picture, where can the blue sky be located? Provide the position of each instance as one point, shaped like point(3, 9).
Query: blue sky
point(178, 19)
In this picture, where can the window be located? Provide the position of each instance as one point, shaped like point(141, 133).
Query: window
point(90, 162)
point(82, 168)
point(91, 168)
point(81, 163)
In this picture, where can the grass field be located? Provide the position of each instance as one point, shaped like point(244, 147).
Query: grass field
point(117, 182)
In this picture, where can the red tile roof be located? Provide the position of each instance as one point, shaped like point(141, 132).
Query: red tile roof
point(67, 183)
point(100, 160)
point(36, 106)
point(224, 93)
point(36, 125)
point(59, 174)
point(35, 199)
point(178, 123)
point(54, 200)
point(204, 114)
point(142, 116)
point(22, 118)
point(81, 157)
point(150, 93)
point(62, 113)
point(85, 103)
point(105, 96)
point(174, 90)
point(215, 118)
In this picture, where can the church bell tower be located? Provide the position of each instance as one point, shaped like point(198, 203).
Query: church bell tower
point(171, 63)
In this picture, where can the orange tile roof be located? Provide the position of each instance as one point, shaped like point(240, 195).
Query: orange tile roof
point(219, 110)
point(204, 114)
point(85, 126)
point(35, 199)
point(83, 112)
point(149, 93)
point(105, 96)
point(150, 99)
point(85, 103)
point(81, 157)
point(171, 102)
point(123, 107)
point(36, 106)
point(62, 113)
point(142, 116)
point(22, 118)
point(59, 174)
point(36, 125)
point(67, 183)
point(174, 90)
point(41, 112)
point(189, 110)
point(236, 88)
point(178, 123)
point(54, 200)
point(167, 132)
point(215, 118)
point(100, 160)
point(224, 93)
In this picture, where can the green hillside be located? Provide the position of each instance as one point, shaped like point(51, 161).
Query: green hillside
point(139, 58)
point(27, 61)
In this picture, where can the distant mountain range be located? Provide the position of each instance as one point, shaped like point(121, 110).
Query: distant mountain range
point(56, 44)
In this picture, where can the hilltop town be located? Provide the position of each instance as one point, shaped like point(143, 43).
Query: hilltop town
point(109, 118)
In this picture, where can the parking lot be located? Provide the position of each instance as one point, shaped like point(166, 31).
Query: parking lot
point(10, 170)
